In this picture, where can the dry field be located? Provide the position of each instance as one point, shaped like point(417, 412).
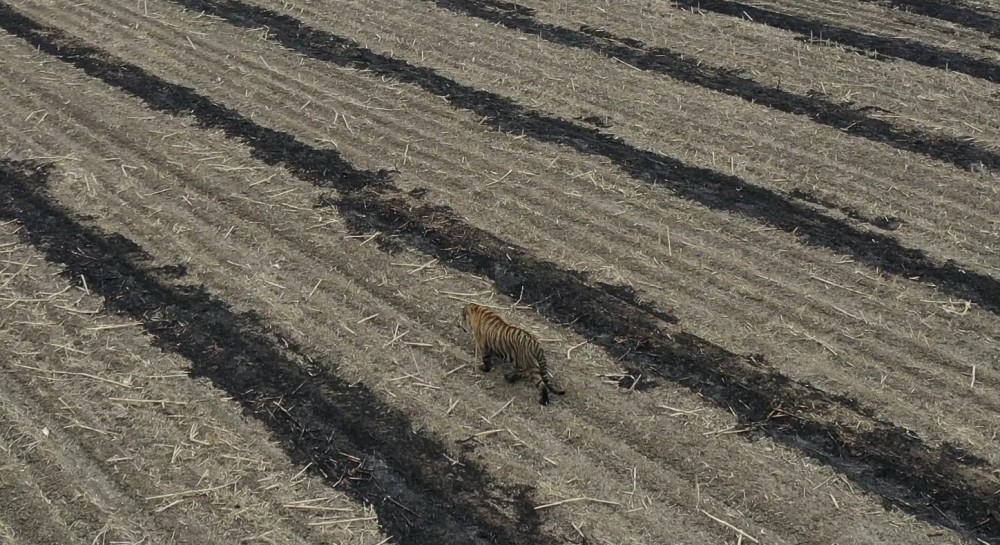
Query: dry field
point(758, 241)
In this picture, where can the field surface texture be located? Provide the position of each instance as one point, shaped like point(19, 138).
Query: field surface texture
point(758, 243)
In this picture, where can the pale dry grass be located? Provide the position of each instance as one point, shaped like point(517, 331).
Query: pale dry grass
point(662, 459)
point(183, 449)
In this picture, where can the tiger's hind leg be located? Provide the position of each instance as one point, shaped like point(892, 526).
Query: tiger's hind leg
point(543, 393)
point(486, 362)
point(543, 385)
point(542, 379)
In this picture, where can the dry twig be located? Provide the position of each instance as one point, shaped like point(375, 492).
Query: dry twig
point(574, 500)
point(71, 373)
point(730, 526)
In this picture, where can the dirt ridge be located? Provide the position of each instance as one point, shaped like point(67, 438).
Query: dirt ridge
point(879, 456)
point(820, 32)
point(953, 12)
point(906, 460)
point(418, 494)
point(886, 222)
point(961, 153)
point(707, 187)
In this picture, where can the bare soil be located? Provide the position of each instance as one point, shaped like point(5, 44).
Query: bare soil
point(758, 241)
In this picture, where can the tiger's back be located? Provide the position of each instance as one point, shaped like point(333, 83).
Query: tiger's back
point(495, 336)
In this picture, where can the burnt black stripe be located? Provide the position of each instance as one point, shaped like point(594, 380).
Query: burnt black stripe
point(948, 10)
point(819, 31)
point(707, 187)
point(959, 152)
point(323, 421)
point(940, 484)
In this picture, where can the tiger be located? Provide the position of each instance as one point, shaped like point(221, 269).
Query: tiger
point(495, 336)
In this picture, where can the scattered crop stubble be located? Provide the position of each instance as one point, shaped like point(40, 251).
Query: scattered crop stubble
point(836, 175)
point(790, 154)
point(983, 18)
point(124, 205)
point(704, 495)
point(800, 20)
point(391, 214)
point(107, 439)
point(548, 451)
point(761, 257)
point(142, 192)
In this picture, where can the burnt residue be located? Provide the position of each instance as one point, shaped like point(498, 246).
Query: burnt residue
point(601, 33)
point(707, 187)
point(633, 381)
point(322, 166)
point(326, 423)
point(939, 484)
point(952, 11)
point(959, 152)
point(882, 221)
point(818, 30)
point(935, 483)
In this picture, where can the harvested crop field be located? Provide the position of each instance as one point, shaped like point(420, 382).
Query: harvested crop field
point(758, 242)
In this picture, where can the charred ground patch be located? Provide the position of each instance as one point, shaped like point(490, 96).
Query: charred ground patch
point(883, 221)
point(933, 483)
point(661, 60)
point(320, 167)
point(817, 30)
point(953, 12)
point(326, 423)
point(323, 167)
point(929, 481)
point(707, 187)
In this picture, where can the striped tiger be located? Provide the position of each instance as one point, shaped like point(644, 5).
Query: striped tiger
point(495, 336)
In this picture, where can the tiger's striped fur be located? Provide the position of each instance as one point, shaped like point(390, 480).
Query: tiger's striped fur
point(495, 336)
